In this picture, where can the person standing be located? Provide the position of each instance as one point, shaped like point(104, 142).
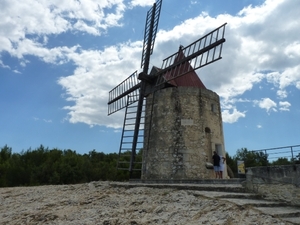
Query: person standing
point(222, 162)
point(216, 160)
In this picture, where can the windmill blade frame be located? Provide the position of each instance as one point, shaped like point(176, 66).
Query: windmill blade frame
point(151, 26)
point(117, 97)
point(208, 47)
point(152, 23)
point(132, 87)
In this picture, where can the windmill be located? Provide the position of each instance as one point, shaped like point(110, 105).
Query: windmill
point(134, 89)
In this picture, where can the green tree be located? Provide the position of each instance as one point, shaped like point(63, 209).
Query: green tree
point(252, 158)
point(281, 161)
point(42, 166)
point(232, 164)
point(71, 168)
point(5, 153)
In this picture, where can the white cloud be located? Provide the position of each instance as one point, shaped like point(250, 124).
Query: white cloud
point(97, 72)
point(267, 104)
point(47, 121)
point(142, 3)
point(16, 71)
point(290, 76)
point(232, 116)
point(284, 106)
point(42, 18)
point(282, 94)
point(259, 126)
point(293, 50)
point(44, 120)
point(3, 65)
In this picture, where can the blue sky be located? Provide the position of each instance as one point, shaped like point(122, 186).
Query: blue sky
point(59, 59)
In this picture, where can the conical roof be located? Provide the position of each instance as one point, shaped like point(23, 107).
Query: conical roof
point(190, 79)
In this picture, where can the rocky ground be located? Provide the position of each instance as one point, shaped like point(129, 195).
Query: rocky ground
point(101, 203)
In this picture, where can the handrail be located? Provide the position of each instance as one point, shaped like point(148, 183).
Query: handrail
point(290, 152)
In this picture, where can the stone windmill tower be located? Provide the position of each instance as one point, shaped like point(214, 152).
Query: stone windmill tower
point(182, 129)
point(180, 124)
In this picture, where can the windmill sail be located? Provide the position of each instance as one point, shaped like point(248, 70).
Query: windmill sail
point(132, 90)
point(117, 97)
point(151, 23)
point(200, 53)
point(150, 33)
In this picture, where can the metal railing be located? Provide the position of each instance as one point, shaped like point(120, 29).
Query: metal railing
point(289, 152)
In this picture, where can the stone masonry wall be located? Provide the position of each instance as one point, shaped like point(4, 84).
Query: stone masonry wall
point(275, 182)
point(182, 127)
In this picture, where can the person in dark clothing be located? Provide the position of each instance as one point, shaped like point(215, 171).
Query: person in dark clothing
point(216, 159)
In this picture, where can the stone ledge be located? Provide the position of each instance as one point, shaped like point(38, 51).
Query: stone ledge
point(189, 181)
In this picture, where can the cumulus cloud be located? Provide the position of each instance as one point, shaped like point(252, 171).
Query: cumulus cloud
point(38, 19)
point(284, 106)
point(232, 116)
point(96, 73)
point(282, 94)
point(142, 3)
point(290, 76)
point(267, 104)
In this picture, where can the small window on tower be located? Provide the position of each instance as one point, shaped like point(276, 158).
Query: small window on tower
point(207, 130)
point(213, 108)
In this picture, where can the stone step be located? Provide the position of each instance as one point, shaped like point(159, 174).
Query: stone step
point(283, 212)
point(189, 181)
point(225, 187)
point(289, 214)
point(294, 220)
point(274, 208)
point(225, 195)
point(254, 202)
point(227, 191)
